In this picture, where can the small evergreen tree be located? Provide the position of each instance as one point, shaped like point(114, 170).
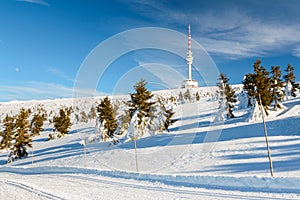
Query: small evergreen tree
point(290, 79)
point(37, 121)
point(227, 95)
point(187, 95)
point(259, 84)
point(92, 114)
point(22, 136)
point(180, 97)
point(141, 108)
point(7, 134)
point(276, 87)
point(197, 96)
point(62, 122)
point(107, 119)
point(84, 117)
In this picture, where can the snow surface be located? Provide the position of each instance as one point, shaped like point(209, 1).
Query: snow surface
point(198, 159)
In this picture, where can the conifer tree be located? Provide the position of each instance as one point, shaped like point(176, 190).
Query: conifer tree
point(197, 96)
point(7, 134)
point(290, 78)
point(37, 121)
point(92, 114)
point(227, 95)
point(276, 87)
point(141, 108)
point(107, 119)
point(180, 97)
point(62, 122)
point(84, 117)
point(257, 84)
point(187, 95)
point(22, 136)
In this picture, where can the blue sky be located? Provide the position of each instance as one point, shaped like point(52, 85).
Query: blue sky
point(43, 43)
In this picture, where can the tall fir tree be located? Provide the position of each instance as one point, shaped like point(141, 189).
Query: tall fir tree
point(7, 134)
point(276, 87)
point(227, 95)
point(107, 119)
point(290, 79)
point(258, 85)
point(22, 136)
point(141, 109)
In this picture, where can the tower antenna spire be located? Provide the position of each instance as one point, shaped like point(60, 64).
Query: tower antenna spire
point(189, 82)
point(189, 57)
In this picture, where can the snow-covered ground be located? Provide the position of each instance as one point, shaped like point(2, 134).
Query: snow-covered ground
point(198, 159)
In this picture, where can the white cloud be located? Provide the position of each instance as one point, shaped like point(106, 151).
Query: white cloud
point(59, 73)
point(41, 2)
point(233, 33)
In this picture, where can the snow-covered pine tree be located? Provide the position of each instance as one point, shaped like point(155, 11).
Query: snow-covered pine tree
point(187, 96)
point(259, 83)
point(7, 135)
point(291, 85)
point(227, 95)
point(141, 110)
point(276, 87)
point(107, 119)
point(22, 136)
point(92, 113)
point(62, 123)
point(180, 98)
point(37, 122)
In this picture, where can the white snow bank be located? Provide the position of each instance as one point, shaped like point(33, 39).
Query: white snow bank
point(244, 184)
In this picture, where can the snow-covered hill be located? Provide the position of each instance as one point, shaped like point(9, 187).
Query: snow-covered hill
point(198, 159)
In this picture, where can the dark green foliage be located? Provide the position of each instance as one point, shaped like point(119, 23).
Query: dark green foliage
point(259, 83)
point(92, 114)
point(22, 136)
point(7, 134)
point(197, 96)
point(180, 97)
point(276, 86)
point(37, 121)
point(167, 115)
point(62, 122)
point(187, 95)
point(107, 117)
point(290, 78)
point(226, 92)
point(84, 117)
point(141, 103)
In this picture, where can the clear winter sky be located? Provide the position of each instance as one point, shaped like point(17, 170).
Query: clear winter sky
point(44, 42)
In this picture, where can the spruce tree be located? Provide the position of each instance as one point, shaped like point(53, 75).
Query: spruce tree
point(62, 122)
point(290, 78)
point(227, 95)
point(187, 95)
point(107, 118)
point(92, 114)
point(37, 121)
point(7, 134)
point(22, 136)
point(197, 96)
point(259, 84)
point(141, 108)
point(180, 97)
point(276, 87)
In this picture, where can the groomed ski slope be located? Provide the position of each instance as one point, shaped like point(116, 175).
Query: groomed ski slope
point(198, 159)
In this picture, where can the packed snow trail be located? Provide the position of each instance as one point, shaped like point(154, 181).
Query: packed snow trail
point(71, 183)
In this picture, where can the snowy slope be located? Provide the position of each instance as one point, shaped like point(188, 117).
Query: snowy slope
point(198, 159)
